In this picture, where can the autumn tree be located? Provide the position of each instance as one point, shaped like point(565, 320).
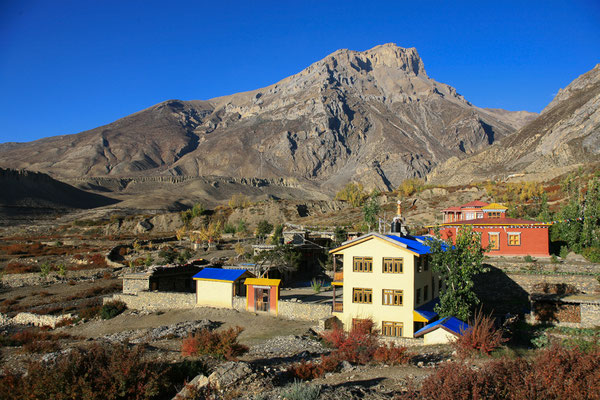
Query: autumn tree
point(457, 264)
point(352, 193)
point(283, 258)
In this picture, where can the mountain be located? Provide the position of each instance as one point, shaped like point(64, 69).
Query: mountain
point(372, 116)
point(25, 189)
point(564, 136)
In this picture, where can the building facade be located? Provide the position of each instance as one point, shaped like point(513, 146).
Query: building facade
point(500, 235)
point(386, 278)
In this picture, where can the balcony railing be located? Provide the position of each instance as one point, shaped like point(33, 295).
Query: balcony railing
point(338, 276)
point(338, 307)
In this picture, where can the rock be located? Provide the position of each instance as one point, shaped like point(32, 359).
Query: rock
point(346, 366)
point(143, 226)
point(229, 373)
point(199, 382)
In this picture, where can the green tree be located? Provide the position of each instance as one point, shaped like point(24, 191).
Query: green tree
point(263, 228)
point(371, 209)
point(590, 232)
point(341, 235)
point(544, 214)
point(283, 258)
point(198, 210)
point(457, 264)
point(277, 235)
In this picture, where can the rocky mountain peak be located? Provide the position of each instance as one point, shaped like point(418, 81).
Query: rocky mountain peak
point(585, 81)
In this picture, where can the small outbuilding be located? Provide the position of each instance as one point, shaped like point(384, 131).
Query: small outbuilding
point(262, 294)
point(442, 331)
point(217, 287)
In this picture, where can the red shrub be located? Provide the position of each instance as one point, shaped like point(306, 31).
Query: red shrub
point(312, 370)
point(18, 268)
point(357, 346)
point(222, 344)
point(555, 373)
point(97, 260)
point(481, 337)
point(391, 354)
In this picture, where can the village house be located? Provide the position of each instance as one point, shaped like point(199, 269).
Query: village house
point(217, 287)
point(502, 236)
point(387, 278)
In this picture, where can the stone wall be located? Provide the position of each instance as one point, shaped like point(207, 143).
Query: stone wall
point(590, 315)
point(153, 301)
point(135, 283)
point(39, 320)
point(35, 279)
point(303, 311)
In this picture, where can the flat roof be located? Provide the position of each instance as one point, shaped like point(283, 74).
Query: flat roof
point(218, 274)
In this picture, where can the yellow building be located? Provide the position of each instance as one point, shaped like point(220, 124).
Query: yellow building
point(386, 278)
point(217, 287)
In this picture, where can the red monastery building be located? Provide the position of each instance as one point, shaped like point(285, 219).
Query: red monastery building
point(501, 235)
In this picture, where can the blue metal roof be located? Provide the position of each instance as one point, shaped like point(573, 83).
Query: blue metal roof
point(451, 324)
point(217, 274)
point(426, 310)
point(411, 243)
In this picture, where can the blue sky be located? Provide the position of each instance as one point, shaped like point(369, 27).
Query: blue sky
point(69, 66)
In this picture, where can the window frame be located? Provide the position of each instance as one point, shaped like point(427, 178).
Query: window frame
point(392, 328)
point(362, 264)
point(418, 296)
point(393, 295)
point(395, 262)
point(513, 234)
point(361, 295)
point(425, 293)
point(497, 236)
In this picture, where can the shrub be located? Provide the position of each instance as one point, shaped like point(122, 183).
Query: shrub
point(529, 259)
point(555, 373)
point(301, 391)
point(239, 201)
point(89, 311)
point(316, 285)
point(221, 344)
point(312, 370)
point(592, 254)
point(18, 268)
point(481, 337)
point(391, 354)
point(358, 345)
point(111, 372)
point(112, 309)
point(564, 252)
point(45, 269)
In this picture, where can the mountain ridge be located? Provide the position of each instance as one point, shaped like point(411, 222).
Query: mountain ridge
point(373, 116)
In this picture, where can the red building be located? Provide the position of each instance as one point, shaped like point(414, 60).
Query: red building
point(502, 236)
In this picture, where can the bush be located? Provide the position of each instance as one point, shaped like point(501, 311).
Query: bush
point(312, 370)
point(223, 344)
point(480, 338)
point(592, 254)
point(301, 391)
point(410, 187)
point(357, 346)
point(352, 193)
point(555, 373)
point(112, 372)
point(564, 252)
point(316, 285)
point(529, 259)
point(112, 309)
point(391, 354)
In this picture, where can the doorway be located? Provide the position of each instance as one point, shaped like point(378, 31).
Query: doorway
point(262, 299)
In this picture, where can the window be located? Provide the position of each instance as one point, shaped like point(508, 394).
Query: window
point(494, 241)
point(418, 300)
point(359, 324)
point(392, 297)
point(432, 287)
point(389, 328)
point(425, 293)
point(422, 264)
point(494, 214)
point(393, 265)
point(364, 296)
point(362, 264)
point(514, 239)
point(425, 261)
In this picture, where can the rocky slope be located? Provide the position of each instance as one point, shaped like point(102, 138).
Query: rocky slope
point(564, 136)
point(372, 116)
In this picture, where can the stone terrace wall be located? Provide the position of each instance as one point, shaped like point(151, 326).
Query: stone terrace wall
point(303, 311)
point(153, 301)
point(590, 315)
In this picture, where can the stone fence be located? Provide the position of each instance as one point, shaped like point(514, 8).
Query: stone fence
point(36, 279)
point(154, 301)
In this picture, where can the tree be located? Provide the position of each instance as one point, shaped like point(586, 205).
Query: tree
point(277, 235)
point(209, 233)
point(263, 228)
point(371, 209)
point(283, 258)
point(544, 214)
point(590, 232)
point(239, 201)
point(352, 193)
point(198, 210)
point(457, 264)
point(410, 186)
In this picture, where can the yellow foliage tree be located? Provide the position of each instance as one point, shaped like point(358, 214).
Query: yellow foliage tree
point(353, 193)
point(410, 186)
point(211, 232)
point(239, 201)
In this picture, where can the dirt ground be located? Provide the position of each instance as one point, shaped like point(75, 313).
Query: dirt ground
point(257, 328)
